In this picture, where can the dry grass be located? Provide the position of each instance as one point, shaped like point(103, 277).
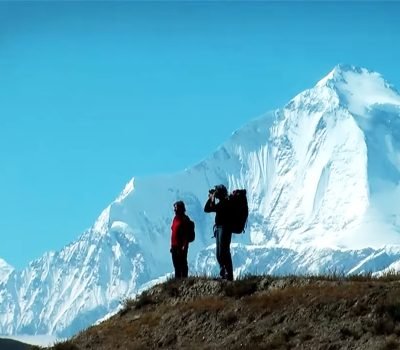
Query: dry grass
point(391, 343)
point(65, 345)
point(208, 304)
point(229, 318)
point(242, 287)
point(304, 296)
point(255, 312)
point(137, 303)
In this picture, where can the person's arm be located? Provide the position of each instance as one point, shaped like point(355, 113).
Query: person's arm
point(210, 204)
point(181, 234)
point(174, 233)
point(184, 226)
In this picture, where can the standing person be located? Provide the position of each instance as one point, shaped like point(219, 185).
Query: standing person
point(179, 242)
point(218, 202)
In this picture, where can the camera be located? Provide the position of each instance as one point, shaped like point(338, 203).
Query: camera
point(219, 191)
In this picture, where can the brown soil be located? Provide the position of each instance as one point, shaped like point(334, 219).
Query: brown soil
point(254, 313)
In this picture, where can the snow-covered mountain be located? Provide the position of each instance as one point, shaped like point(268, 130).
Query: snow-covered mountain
point(322, 175)
point(5, 270)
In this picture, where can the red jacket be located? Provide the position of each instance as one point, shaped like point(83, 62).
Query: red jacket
point(178, 238)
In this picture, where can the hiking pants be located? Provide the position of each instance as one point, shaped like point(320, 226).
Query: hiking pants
point(179, 259)
point(223, 251)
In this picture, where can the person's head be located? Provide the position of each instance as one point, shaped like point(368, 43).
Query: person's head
point(221, 192)
point(179, 208)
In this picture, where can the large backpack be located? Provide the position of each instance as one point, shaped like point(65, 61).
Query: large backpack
point(189, 229)
point(239, 210)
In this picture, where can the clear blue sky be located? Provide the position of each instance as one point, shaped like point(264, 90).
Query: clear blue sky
point(94, 93)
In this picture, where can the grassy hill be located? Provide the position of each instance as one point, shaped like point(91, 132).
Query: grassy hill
point(256, 312)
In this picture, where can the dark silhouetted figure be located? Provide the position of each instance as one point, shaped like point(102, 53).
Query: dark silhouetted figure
point(218, 202)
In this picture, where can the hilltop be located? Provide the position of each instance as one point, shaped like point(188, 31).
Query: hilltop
point(256, 312)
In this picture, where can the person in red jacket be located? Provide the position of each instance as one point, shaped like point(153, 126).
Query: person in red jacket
point(179, 243)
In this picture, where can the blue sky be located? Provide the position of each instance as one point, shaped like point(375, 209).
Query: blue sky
point(95, 93)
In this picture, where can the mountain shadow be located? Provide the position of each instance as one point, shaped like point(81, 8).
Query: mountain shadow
point(10, 344)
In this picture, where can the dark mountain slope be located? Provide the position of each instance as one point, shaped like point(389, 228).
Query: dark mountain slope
point(10, 344)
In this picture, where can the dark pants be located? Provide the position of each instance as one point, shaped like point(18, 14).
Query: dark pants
point(179, 259)
point(223, 252)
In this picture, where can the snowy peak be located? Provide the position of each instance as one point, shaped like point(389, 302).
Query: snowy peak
point(3, 264)
point(129, 187)
point(359, 89)
point(5, 270)
point(332, 167)
point(102, 223)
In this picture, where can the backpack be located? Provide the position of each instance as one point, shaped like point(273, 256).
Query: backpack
point(189, 230)
point(239, 210)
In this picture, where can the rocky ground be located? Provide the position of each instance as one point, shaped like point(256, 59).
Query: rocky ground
point(256, 312)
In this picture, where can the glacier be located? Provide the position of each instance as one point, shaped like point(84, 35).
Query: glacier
point(322, 175)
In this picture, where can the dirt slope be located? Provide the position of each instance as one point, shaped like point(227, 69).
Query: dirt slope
point(254, 313)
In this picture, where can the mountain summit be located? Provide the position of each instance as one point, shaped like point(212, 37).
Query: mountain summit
point(322, 177)
point(359, 89)
point(334, 155)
